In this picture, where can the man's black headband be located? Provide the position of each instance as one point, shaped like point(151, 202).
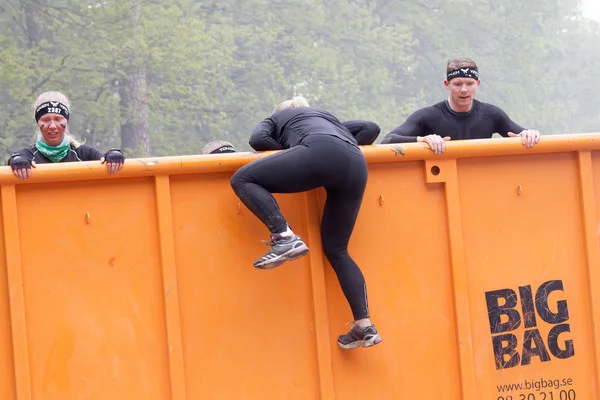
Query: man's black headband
point(223, 149)
point(467, 72)
point(51, 107)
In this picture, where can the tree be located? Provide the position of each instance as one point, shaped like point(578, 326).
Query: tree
point(129, 70)
point(520, 48)
point(337, 53)
point(164, 77)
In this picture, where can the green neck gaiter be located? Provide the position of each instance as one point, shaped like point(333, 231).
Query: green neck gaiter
point(53, 153)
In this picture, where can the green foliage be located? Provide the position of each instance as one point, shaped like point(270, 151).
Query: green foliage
point(525, 52)
point(213, 69)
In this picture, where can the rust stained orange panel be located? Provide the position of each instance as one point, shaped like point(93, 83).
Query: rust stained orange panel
point(7, 376)
point(95, 319)
point(246, 333)
point(401, 247)
point(523, 228)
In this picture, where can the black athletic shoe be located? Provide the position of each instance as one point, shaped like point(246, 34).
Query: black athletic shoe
point(282, 249)
point(365, 337)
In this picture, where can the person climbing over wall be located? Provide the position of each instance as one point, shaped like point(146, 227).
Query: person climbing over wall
point(317, 151)
point(365, 133)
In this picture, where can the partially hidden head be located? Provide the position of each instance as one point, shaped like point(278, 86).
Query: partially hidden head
point(51, 111)
point(462, 80)
point(218, 147)
point(294, 102)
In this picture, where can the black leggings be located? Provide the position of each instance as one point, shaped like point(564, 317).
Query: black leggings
point(321, 160)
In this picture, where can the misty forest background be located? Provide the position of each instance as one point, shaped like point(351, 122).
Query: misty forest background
point(164, 77)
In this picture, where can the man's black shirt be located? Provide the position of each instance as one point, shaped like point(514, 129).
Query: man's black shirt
point(482, 121)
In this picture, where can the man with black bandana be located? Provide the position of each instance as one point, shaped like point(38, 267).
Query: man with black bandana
point(460, 116)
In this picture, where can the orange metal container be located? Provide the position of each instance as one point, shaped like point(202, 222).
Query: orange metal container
point(482, 267)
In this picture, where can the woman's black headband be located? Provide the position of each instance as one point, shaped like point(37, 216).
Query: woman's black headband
point(51, 107)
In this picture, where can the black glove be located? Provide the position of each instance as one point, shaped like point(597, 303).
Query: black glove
point(19, 162)
point(114, 156)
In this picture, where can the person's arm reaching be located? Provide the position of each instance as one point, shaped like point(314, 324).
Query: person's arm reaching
point(413, 130)
point(365, 132)
point(504, 124)
point(407, 132)
point(508, 128)
point(113, 158)
point(261, 138)
point(89, 153)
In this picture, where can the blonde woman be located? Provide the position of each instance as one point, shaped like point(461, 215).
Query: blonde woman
point(54, 143)
point(318, 151)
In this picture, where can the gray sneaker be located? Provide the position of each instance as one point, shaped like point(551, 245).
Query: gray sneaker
point(282, 249)
point(365, 337)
